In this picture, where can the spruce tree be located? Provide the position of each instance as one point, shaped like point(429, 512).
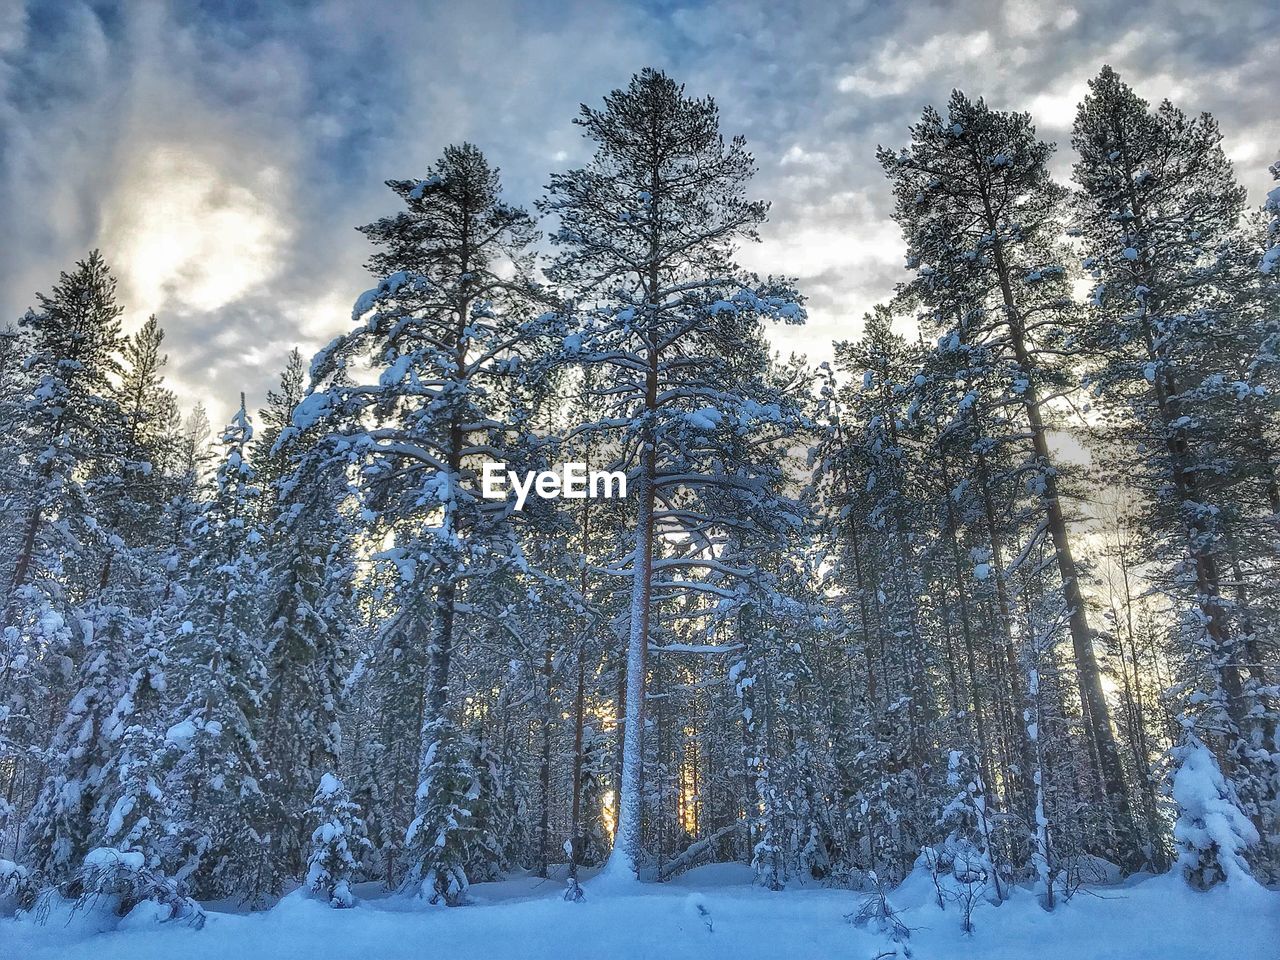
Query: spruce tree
point(131, 493)
point(1212, 835)
point(309, 569)
point(217, 771)
point(134, 825)
point(59, 827)
point(337, 843)
point(73, 412)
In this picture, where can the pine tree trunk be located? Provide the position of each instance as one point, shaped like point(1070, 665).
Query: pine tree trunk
point(624, 860)
point(544, 766)
point(1005, 618)
point(23, 564)
point(1092, 698)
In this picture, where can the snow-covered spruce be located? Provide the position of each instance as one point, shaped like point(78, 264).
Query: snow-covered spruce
point(217, 767)
point(337, 843)
point(442, 837)
point(310, 617)
point(1212, 834)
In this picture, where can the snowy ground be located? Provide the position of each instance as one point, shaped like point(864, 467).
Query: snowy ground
point(526, 918)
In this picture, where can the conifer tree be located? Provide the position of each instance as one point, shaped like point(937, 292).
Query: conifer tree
point(75, 343)
point(1212, 835)
point(645, 246)
point(447, 328)
point(1270, 262)
point(1158, 209)
point(131, 492)
point(337, 843)
point(58, 830)
point(308, 571)
point(980, 214)
point(216, 775)
point(134, 824)
point(70, 349)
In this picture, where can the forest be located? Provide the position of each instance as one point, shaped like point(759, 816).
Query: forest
point(994, 592)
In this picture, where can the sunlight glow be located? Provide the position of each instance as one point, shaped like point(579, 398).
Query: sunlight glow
point(190, 234)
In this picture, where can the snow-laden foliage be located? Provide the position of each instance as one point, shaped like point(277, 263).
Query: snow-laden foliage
point(125, 878)
point(218, 764)
point(337, 843)
point(1212, 833)
point(441, 840)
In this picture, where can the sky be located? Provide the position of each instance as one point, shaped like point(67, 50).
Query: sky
point(222, 153)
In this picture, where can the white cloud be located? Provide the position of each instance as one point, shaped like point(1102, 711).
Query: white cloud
point(1056, 109)
point(898, 67)
point(1026, 19)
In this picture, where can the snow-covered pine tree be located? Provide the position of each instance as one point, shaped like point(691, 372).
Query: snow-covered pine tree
point(70, 434)
point(131, 491)
point(337, 843)
point(1158, 207)
point(968, 850)
point(592, 844)
point(981, 217)
point(271, 458)
point(215, 778)
point(58, 828)
point(784, 731)
point(56, 615)
point(975, 467)
point(441, 841)
point(1212, 835)
point(134, 826)
point(116, 759)
point(74, 416)
point(446, 330)
point(493, 813)
point(645, 241)
point(853, 600)
point(752, 677)
point(175, 550)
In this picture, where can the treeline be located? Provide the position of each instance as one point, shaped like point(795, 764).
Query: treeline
point(848, 620)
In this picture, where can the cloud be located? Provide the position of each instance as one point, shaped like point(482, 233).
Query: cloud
point(185, 234)
point(898, 69)
point(221, 155)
